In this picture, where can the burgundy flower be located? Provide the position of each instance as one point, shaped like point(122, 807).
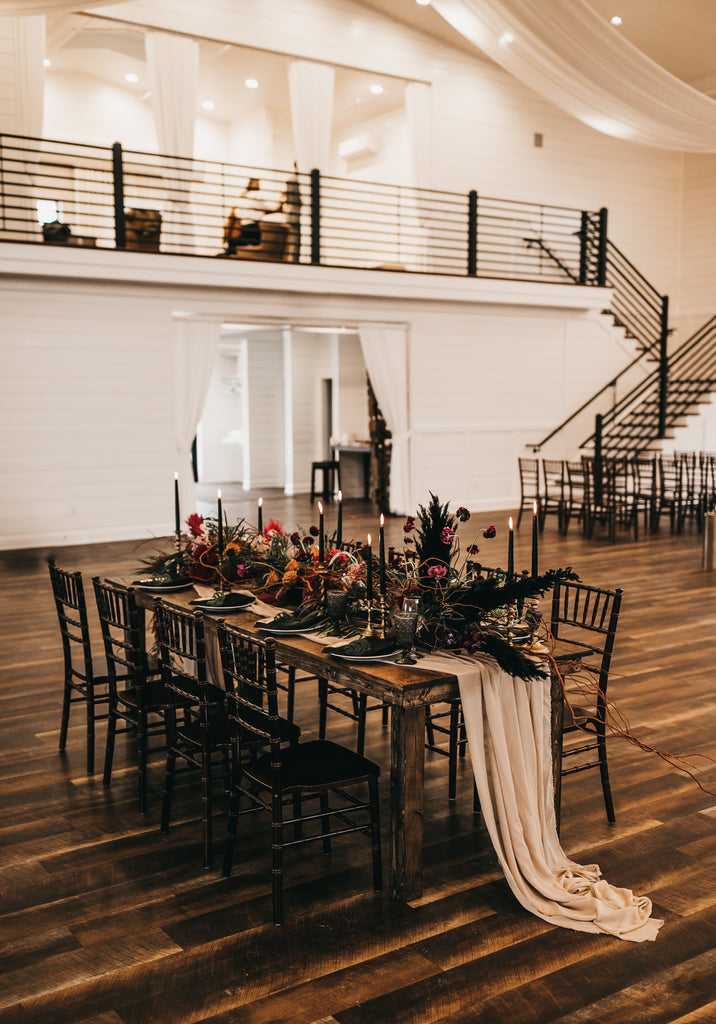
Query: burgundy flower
point(309, 540)
point(463, 514)
point(296, 538)
point(195, 523)
point(489, 532)
point(313, 531)
point(409, 524)
point(447, 536)
point(436, 571)
point(473, 549)
point(408, 540)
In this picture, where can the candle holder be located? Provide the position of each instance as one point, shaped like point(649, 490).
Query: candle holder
point(177, 540)
point(382, 609)
point(336, 606)
point(370, 629)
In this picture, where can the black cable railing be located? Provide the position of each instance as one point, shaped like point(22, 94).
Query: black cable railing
point(634, 421)
point(118, 199)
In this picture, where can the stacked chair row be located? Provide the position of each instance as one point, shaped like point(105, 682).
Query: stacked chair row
point(228, 729)
point(624, 492)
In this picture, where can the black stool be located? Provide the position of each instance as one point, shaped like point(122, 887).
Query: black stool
point(331, 471)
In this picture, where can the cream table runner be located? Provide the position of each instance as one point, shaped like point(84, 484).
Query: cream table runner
point(508, 730)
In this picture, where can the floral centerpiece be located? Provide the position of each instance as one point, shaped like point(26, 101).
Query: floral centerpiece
point(465, 607)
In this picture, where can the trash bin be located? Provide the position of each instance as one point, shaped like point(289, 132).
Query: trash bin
point(709, 559)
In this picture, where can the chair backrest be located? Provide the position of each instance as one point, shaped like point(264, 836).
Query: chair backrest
point(553, 471)
point(249, 666)
point(121, 623)
point(529, 478)
point(645, 474)
point(587, 616)
point(69, 595)
point(182, 650)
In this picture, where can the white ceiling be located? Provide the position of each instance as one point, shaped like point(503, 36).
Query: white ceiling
point(681, 36)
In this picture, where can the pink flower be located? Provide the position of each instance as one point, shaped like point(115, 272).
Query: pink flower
point(436, 571)
point(463, 514)
point(447, 535)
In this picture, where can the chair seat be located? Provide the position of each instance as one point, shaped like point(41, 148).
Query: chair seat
point(318, 764)
point(157, 697)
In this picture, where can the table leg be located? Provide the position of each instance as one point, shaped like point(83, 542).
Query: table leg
point(407, 764)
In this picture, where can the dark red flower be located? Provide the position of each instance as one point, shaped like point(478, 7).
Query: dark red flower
point(473, 549)
point(296, 538)
point(313, 531)
point(463, 514)
point(447, 535)
point(409, 524)
point(489, 532)
point(195, 523)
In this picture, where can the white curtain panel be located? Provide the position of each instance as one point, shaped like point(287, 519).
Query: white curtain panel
point(195, 344)
point(29, 38)
point(570, 55)
point(311, 91)
point(173, 66)
point(385, 351)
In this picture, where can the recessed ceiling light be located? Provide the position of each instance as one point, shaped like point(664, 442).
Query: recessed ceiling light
point(47, 62)
point(506, 38)
point(616, 20)
point(376, 89)
point(424, 3)
point(208, 105)
point(131, 77)
point(251, 83)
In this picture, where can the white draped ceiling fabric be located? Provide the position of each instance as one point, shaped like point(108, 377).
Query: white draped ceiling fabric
point(311, 93)
point(195, 344)
point(566, 52)
point(24, 7)
point(385, 351)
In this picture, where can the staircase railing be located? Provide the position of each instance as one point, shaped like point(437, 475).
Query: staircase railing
point(636, 306)
point(691, 373)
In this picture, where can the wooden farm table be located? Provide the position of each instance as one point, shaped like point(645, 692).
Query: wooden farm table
point(407, 691)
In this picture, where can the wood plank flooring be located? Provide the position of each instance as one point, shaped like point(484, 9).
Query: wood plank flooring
point(103, 920)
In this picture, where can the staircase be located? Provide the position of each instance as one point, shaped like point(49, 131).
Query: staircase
point(633, 424)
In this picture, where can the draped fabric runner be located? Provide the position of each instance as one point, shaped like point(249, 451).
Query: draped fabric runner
point(508, 731)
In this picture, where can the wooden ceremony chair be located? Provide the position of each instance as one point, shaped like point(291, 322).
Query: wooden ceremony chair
point(587, 617)
point(529, 486)
point(138, 707)
point(287, 775)
point(81, 684)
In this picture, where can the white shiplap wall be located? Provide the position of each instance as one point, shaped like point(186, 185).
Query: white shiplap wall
point(87, 395)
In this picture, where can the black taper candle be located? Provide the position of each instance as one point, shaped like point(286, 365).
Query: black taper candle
point(339, 524)
point(511, 551)
point(220, 526)
point(177, 514)
point(261, 515)
point(382, 555)
point(320, 534)
point(535, 541)
point(368, 557)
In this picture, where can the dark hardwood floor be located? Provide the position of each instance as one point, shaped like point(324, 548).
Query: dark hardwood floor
point(103, 920)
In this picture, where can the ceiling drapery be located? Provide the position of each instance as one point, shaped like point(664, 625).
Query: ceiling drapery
point(22, 7)
point(563, 50)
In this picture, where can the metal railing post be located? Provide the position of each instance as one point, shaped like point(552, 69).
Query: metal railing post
point(315, 216)
point(472, 234)
point(663, 365)
point(598, 459)
point(120, 232)
point(602, 250)
point(584, 247)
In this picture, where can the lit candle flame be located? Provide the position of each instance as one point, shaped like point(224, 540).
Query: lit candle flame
point(261, 501)
point(320, 509)
point(218, 493)
point(382, 519)
point(340, 495)
point(369, 540)
point(510, 523)
point(534, 507)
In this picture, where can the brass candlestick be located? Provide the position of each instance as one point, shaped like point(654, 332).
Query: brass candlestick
point(369, 629)
point(177, 540)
